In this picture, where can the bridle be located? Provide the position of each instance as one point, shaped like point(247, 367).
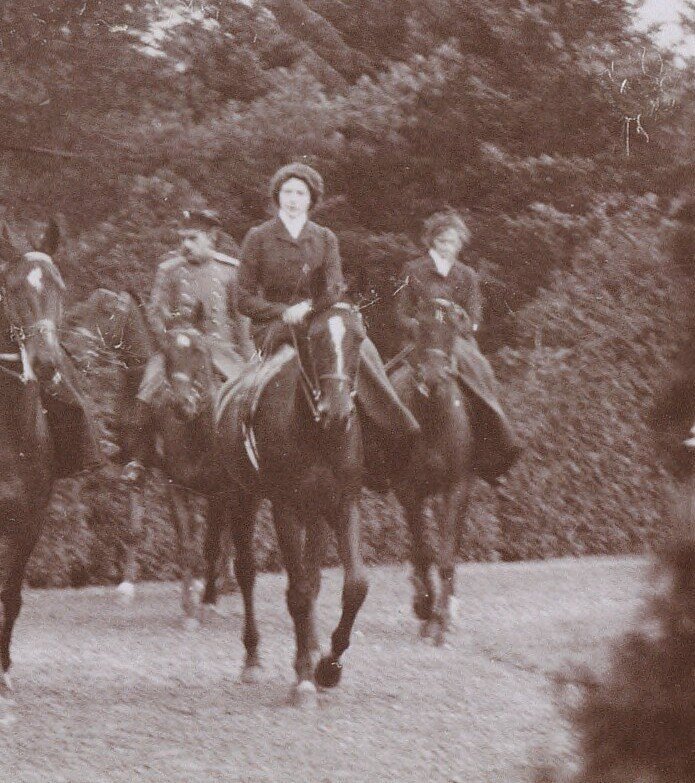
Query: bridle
point(444, 308)
point(202, 391)
point(18, 335)
point(311, 380)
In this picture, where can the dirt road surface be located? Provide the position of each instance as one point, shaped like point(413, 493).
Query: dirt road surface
point(109, 694)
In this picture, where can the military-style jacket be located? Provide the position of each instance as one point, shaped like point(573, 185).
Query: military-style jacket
point(422, 280)
point(276, 269)
point(182, 285)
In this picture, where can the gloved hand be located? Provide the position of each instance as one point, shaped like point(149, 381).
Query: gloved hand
point(296, 313)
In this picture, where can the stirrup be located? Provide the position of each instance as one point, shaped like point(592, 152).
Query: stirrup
point(133, 471)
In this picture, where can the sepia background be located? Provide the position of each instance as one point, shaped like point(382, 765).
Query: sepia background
point(563, 132)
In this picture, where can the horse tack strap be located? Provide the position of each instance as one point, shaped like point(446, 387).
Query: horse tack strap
point(14, 358)
point(245, 392)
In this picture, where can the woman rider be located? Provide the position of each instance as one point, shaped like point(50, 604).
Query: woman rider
point(279, 259)
point(439, 274)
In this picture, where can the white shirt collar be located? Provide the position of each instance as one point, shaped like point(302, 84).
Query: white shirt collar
point(443, 264)
point(293, 225)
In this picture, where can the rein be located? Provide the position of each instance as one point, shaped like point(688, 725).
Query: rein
point(18, 336)
point(14, 358)
point(312, 388)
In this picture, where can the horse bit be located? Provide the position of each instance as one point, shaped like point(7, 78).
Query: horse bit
point(312, 388)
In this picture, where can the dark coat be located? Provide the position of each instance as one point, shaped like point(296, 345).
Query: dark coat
point(497, 447)
point(277, 270)
point(422, 281)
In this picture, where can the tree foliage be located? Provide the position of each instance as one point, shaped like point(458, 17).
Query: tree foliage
point(546, 124)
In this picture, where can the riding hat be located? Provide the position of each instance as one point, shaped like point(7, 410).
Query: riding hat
point(313, 180)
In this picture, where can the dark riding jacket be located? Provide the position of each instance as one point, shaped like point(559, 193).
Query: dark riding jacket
point(421, 280)
point(276, 271)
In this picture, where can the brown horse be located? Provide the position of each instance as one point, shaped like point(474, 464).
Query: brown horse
point(308, 441)
point(182, 426)
point(440, 465)
point(31, 308)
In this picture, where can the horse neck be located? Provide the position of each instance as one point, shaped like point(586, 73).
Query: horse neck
point(137, 345)
point(7, 345)
point(23, 418)
point(447, 410)
point(196, 436)
point(284, 401)
point(303, 406)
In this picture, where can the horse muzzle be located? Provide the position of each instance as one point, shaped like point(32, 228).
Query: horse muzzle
point(336, 415)
point(42, 359)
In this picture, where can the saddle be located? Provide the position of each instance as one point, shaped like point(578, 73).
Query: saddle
point(238, 398)
point(497, 447)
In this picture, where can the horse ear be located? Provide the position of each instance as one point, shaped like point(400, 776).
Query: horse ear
point(50, 240)
point(8, 250)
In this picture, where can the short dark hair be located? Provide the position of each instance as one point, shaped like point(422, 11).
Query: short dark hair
point(440, 222)
point(311, 177)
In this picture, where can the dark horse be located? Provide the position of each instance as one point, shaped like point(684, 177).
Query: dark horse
point(439, 466)
point(31, 308)
point(182, 424)
point(308, 444)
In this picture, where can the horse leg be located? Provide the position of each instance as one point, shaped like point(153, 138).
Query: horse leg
point(463, 504)
point(314, 546)
point(243, 524)
point(129, 571)
point(216, 521)
point(18, 550)
point(450, 516)
point(227, 580)
point(422, 554)
point(355, 588)
point(183, 521)
point(299, 597)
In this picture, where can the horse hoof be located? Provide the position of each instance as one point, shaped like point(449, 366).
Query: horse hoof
point(191, 624)
point(126, 592)
point(454, 609)
point(212, 610)
point(7, 703)
point(439, 637)
point(304, 694)
point(6, 688)
point(328, 672)
point(251, 675)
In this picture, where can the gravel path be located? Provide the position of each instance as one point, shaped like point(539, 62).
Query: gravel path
point(109, 694)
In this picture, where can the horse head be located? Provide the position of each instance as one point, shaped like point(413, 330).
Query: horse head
point(32, 304)
point(188, 367)
point(441, 323)
point(333, 341)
